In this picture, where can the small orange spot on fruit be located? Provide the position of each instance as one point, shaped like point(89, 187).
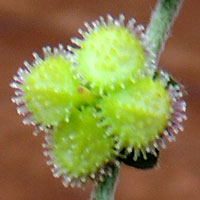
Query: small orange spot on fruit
point(80, 90)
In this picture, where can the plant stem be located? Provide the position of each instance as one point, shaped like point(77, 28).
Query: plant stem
point(162, 19)
point(105, 190)
point(157, 32)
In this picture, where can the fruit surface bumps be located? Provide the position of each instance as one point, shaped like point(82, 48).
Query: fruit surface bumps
point(80, 147)
point(50, 90)
point(137, 115)
point(110, 57)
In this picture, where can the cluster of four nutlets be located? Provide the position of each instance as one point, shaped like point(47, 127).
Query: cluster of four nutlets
point(100, 102)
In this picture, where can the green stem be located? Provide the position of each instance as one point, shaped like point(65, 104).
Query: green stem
point(159, 27)
point(157, 32)
point(105, 190)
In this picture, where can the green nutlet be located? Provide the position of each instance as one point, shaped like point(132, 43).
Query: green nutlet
point(110, 56)
point(138, 115)
point(50, 90)
point(80, 148)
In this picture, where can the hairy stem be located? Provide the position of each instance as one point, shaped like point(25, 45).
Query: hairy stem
point(157, 32)
point(162, 19)
point(105, 190)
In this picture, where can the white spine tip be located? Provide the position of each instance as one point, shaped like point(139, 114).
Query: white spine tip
point(92, 176)
point(89, 28)
point(110, 19)
point(130, 24)
point(61, 47)
point(121, 19)
point(102, 21)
